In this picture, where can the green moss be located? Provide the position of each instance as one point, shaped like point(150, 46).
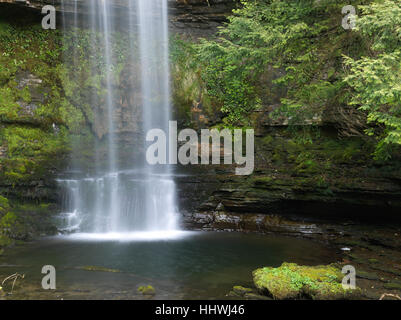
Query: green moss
point(4, 208)
point(291, 281)
point(308, 166)
point(4, 204)
point(23, 221)
point(264, 181)
point(66, 70)
point(12, 226)
point(268, 139)
point(29, 152)
point(97, 268)
point(147, 290)
point(345, 151)
point(27, 135)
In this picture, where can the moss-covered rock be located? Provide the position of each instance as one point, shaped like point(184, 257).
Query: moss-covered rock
point(4, 207)
point(23, 221)
point(12, 226)
point(291, 281)
point(147, 290)
point(33, 129)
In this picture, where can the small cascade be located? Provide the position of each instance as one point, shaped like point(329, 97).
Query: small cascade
point(86, 202)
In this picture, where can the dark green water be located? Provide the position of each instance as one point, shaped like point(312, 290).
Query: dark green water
point(198, 265)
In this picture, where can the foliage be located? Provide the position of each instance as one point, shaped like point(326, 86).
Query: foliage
point(376, 78)
point(187, 85)
point(301, 46)
point(4, 205)
point(289, 36)
point(10, 225)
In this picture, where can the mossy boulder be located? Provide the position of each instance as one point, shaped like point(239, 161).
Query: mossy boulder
point(147, 290)
point(291, 281)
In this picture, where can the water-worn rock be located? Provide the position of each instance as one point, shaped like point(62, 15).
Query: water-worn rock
point(367, 275)
point(241, 290)
point(291, 281)
point(291, 192)
point(246, 293)
point(254, 296)
point(394, 285)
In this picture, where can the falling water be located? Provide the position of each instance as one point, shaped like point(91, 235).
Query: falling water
point(140, 197)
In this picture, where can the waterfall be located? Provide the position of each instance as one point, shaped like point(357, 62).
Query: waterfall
point(134, 196)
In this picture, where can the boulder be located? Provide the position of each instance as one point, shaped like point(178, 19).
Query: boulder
point(291, 281)
point(147, 290)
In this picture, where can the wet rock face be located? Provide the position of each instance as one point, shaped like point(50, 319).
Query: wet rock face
point(32, 95)
point(127, 115)
point(294, 189)
point(288, 209)
point(26, 80)
point(199, 17)
point(25, 116)
point(196, 18)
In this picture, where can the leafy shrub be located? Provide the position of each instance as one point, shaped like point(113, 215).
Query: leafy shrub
point(376, 78)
